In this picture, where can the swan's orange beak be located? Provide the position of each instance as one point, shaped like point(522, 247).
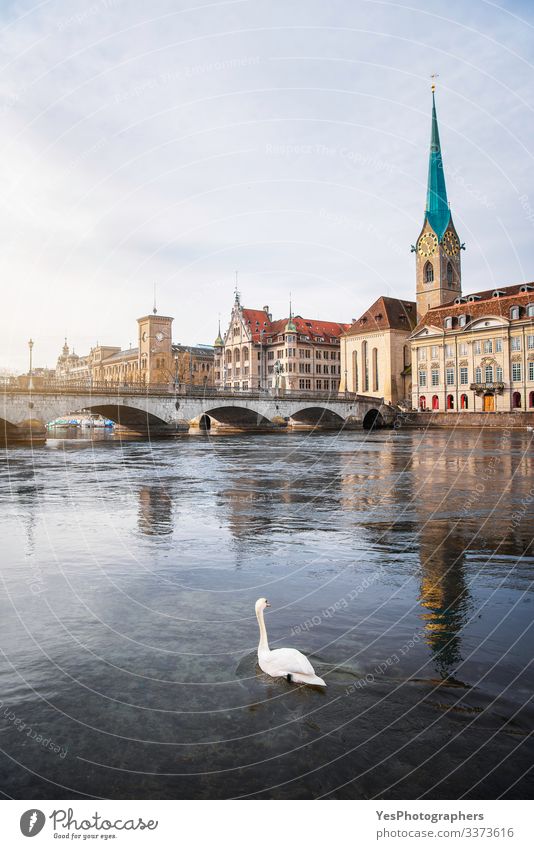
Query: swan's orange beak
point(267, 604)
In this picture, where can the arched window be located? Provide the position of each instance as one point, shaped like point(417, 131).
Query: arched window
point(365, 367)
point(516, 400)
point(464, 403)
point(530, 310)
point(488, 374)
point(531, 399)
point(355, 371)
point(429, 272)
point(228, 355)
point(237, 355)
point(450, 402)
point(375, 369)
point(422, 402)
point(514, 312)
point(478, 375)
point(450, 275)
point(245, 354)
point(435, 402)
point(406, 356)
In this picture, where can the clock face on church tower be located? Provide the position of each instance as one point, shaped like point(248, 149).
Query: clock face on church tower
point(451, 243)
point(427, 245)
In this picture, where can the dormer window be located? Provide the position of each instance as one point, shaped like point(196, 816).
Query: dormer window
point(448, 323)
point(460, 300)
point(514, 313)
point(462, 320)
point(472, 298)
point(526, 287)
point(498, 293)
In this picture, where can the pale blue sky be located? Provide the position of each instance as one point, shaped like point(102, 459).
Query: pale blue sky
point(178, 141)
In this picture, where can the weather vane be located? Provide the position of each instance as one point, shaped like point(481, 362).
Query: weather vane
point(434, 77)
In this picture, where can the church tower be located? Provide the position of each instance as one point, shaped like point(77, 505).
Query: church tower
point(438, 267)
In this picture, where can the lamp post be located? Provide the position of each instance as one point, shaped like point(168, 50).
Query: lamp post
point(30, 382)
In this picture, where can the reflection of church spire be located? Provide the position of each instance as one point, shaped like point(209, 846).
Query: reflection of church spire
point(444, 595)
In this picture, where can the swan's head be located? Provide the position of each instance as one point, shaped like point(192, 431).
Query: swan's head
point(261, 604)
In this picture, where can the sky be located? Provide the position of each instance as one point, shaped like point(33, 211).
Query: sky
point(170, 144)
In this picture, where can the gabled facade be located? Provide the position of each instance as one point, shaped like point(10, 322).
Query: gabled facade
point(293, 353)
point(375, 351)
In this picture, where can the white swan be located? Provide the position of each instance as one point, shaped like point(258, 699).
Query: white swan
point(283, 663)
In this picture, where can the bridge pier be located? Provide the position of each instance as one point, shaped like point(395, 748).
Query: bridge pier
point(30, 432)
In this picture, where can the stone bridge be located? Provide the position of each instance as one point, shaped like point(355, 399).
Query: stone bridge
point(160, 412)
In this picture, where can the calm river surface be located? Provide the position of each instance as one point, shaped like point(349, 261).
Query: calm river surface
point(400, 562)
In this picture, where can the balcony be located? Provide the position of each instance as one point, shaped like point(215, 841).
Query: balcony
point(492, 386)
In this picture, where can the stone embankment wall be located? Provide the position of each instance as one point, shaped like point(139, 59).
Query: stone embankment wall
point(508, 420)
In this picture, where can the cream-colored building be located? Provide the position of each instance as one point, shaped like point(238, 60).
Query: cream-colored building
point(292, 353)
point(375, 351)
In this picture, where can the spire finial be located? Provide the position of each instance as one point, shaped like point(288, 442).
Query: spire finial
point(154, 310)
point(290, 307)
point(433, 77)
point(237, 298)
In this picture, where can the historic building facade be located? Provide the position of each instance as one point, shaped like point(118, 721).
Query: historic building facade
point(155, 360)
point(375, 351)
point(472, 353)
point(288, 354)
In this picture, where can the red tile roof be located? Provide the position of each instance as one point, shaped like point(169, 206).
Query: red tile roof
point(258, 320)
point(485, 304)
point(386, 314)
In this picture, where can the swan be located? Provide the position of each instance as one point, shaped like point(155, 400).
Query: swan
point(283, 663)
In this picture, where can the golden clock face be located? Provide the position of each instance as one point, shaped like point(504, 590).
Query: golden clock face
point(451, 243)
point(427, 245)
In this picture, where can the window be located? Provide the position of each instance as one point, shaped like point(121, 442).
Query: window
point(498, 344)
point(531, 370)
point(449, 350)
point(421, 354)
point(464, 403)
point(422, 402)
point(375, 370)
point(449, 376)
point(429, 273)
point(516, 371)
point(478, 375)
point(463, 375)
point(435, 377)
point(516, 400)
point(462, 320)
point(530, 310)
point(270, 355)
point(514, 313)
point(476, 347)
point(318, 384)
point(488, 374)
point(318, 355)
point(448, 323)
point(498, 374)
point(450, 275)
point(422, 378)
point(488, 346)
point(304, 384)
point(530, 342)
point(435, 402)
point(365, 366)
point(434, 352)
point(515, 343)
point(450, 402)
point(462, 350)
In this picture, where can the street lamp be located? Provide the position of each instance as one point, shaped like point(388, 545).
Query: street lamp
point(30, 382)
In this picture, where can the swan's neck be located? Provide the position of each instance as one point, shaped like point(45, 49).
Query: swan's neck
point(263, 645)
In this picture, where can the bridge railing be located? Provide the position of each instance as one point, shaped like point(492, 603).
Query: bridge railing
point(89, 387)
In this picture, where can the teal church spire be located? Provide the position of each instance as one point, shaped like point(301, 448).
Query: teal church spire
point(437, 211)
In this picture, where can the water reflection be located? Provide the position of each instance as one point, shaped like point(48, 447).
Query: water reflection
point(444, 595)
point(155, 515)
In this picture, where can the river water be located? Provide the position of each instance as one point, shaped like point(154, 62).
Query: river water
point(400, 562)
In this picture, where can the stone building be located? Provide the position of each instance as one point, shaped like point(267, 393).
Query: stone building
point(155, 360)
point(375, 351)
point(471, 353)
point(288, 354)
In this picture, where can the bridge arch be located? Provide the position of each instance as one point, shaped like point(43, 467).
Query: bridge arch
point(373, 419)
point(133, 418)
point(317, 417)
point(234, 416)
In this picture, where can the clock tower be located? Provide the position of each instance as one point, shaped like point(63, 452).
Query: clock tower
point(438, 267)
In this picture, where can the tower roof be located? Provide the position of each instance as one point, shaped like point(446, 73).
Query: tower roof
point(437, 211)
